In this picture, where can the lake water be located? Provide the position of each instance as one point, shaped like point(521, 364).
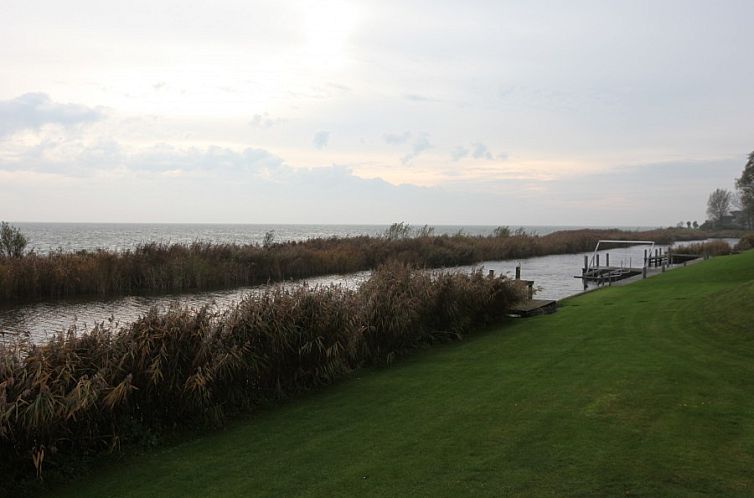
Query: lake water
point(44, 237)
point(553, 276)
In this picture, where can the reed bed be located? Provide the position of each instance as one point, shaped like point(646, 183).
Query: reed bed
point(84, 393)
point(167, 268)
point(711, 248)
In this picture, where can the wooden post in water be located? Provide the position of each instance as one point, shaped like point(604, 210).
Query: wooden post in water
point(645, 261)
point(530, 283)
point(607, 259)
point(598, 261)
point(491, 274)
point(518, 272)
point(583, 271)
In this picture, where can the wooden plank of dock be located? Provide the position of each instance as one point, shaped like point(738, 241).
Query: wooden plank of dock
point(534, 307)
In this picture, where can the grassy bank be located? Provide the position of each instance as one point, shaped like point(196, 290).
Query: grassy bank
point(642, 390)
point(166, 268)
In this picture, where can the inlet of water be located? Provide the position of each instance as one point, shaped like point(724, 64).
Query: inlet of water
point(553, 276)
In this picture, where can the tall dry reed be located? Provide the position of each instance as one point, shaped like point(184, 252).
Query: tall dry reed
point(85, 393)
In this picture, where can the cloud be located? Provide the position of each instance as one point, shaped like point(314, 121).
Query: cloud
point(397, 138)
point(413, 97)
point(459, 153)
point(480, 151)
point(31, 111)
point(420, 145)
point(106, 157)
point(264, 121)
point(321, 138)
point(210, 161)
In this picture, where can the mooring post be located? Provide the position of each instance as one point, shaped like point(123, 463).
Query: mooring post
point(645, 258)
point(491, 274)
point(598, 261)
point(607, 259)
point(518, 272)
point(530, 283)
point(586, 264)
point(670, 256)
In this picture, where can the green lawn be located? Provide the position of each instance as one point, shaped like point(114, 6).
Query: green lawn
point(641, 390)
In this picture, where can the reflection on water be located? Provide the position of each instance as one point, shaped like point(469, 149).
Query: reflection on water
point(553, 276)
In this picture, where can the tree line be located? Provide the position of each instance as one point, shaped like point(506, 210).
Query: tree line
point(721, 201)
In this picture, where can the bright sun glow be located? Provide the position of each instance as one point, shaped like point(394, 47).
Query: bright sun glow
point(327, 26)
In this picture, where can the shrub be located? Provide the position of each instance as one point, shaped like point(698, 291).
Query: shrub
point(12, 241)
point(745, 243)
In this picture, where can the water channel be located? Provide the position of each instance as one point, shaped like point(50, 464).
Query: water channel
point(553, 278)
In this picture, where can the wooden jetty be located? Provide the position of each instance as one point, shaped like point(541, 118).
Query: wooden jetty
point(655, 258)
point(529, 306)
point(608, 274)
point(534, 307)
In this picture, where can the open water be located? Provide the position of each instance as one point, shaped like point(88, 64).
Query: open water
point(44, 237)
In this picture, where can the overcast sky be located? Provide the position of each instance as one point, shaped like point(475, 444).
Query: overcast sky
point(441, 112)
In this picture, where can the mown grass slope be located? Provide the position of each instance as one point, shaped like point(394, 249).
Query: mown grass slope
point(641, 390)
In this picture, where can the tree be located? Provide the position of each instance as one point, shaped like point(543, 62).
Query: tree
point(12, 241)
point(718, 205)
point(696, 224)
point(688, 224)
point(745, 187)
